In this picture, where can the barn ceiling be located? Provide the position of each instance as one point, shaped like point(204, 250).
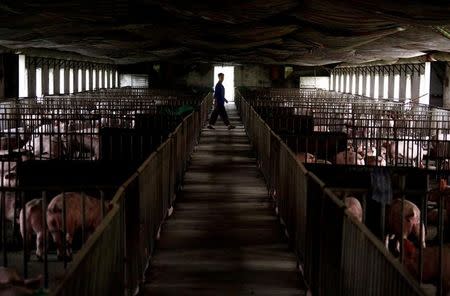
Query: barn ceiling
point(309, 32)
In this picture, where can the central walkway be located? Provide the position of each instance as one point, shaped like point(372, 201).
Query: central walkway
point(223, 238)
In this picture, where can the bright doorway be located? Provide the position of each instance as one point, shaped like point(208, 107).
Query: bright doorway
point(228, 82)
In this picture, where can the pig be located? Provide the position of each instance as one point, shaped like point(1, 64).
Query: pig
point(46, 146)
point(306, 157)
point(9, 143)
point(9, 276)
point(349, 157)
point(74, 212)
point(9, 179)
point(48, 141)
point(14, 138)
point(411, 222)
point(323, 161)
point(31, 120)
point(354, 208)
point(374, 157)
point(372, 151)
point(321, 128)
point(11, 283)
point(408, 150)
point(376, 161)
point(7, 166)
point(387, 121)
point(431, 265)
point(10, 205)
point(55, 127)
point(33, 222)
point(88, 141)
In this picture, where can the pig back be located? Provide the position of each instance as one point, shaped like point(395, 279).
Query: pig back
point(74, 208)
point(354, 207)
point(411, 216)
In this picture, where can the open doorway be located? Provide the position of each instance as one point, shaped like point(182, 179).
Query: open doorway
point(228, 82)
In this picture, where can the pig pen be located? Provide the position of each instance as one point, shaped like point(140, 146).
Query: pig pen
point(336, 253)
point(365, 149)
point(89, 144)
point(411, 193)
point(378, 132)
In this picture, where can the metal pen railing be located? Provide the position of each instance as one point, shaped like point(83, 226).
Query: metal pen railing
point(115, 257)
point(336, 254)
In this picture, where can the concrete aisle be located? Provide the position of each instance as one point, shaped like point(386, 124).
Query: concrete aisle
point(223, 238)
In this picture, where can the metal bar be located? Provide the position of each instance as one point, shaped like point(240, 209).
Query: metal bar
point(65, 246)
point(83, 217)
point(25, 236)
point(45, 238)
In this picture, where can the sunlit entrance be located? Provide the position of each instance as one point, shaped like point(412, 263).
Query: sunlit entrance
point(228, 82)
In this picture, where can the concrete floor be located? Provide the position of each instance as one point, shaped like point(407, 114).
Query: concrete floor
point(223, 238)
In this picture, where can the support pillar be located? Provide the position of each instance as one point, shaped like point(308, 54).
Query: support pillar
point(31, 78)
point(415, 85)
point(335, 79)
point(402, 94)
point(91, 78)
point(446, 91)
point(67, 79)
point(97, 80)
point(364, 84)
point(75, 79)
point(83, 79)
point(56, 78)
point(350, 83)
point(105, 79)
point(357, 83)
point(45, 78)
point(391, 85)
point(381, 84)
point(330, 81)
point(345, 90)
point(338, 82)
point(372, 85)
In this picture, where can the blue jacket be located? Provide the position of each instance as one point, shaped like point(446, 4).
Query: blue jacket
point(219, 94)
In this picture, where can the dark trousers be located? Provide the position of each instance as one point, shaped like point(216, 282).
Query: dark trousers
point(219, 110)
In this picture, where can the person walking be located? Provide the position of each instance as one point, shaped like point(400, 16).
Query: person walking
point(219, 107)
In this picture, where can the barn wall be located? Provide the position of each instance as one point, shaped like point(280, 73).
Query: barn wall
point(170, 75)
point(245, 75)
point(9, 76)
point(252, 76)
